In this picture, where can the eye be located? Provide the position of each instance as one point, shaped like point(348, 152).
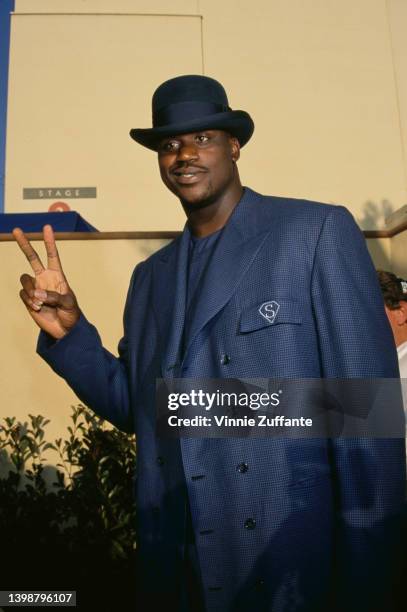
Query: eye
point(169, 146)
point(202, 138)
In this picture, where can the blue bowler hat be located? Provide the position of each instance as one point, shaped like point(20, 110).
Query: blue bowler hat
point(191, 103)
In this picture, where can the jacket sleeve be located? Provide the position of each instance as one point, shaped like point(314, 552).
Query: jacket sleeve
point(369, 478)
point(355, 337)
point(98, 378)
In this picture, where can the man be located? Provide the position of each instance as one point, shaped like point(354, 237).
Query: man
point(240, 524)
point(394, 292)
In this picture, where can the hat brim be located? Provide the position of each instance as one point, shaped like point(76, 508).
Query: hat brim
point(238, 123)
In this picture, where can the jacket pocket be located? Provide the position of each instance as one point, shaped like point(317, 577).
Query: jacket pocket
point(270, 313)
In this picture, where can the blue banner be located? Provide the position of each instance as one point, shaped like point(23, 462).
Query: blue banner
point(6, 7)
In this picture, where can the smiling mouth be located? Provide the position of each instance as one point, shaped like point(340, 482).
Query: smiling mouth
point(186, 176)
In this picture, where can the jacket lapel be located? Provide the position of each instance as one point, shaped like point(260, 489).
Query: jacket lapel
point(170, 282)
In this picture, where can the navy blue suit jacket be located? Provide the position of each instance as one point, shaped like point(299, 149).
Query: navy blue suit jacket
point(325, 511)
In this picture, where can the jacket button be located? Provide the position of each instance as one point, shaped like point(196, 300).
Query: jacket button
point(242, 468)
point(260, 584)
point(160, 461)
point(250, 523)
point(224, 359)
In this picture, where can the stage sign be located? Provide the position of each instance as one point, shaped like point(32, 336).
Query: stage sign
point(50, 193)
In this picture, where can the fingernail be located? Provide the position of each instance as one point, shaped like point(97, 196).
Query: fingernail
point(40, 294)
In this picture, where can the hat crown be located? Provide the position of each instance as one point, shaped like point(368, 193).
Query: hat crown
point(188, 88)
point(192, 103)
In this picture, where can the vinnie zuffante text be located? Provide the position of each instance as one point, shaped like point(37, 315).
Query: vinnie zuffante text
point(218, 400)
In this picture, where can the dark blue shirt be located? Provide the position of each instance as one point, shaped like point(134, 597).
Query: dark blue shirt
point(200, 253)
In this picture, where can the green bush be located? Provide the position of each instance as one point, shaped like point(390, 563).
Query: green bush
point(72, 526)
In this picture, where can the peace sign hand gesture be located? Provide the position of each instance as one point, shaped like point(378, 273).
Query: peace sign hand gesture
point(47, 296)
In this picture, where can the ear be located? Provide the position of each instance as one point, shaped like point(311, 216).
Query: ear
point(234, 148)
point(398, 316)
point(402, 312)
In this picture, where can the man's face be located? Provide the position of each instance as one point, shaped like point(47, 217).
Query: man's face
point(199, 168)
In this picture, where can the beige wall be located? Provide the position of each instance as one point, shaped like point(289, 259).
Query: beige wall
point(380, 250)
point(186, 7)
point(78, 84)
point(397, 11)
point(390, 253)
point(325, 81)
point(399, 254)
point(318, 76)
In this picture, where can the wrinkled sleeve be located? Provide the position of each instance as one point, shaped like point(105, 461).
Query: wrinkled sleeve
point(98, 378)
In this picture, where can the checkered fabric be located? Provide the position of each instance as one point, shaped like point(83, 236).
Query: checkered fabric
point(309, 524)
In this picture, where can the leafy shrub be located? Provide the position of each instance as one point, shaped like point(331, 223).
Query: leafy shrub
point(77, 532)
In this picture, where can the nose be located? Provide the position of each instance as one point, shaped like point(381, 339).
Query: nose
point(187, 152)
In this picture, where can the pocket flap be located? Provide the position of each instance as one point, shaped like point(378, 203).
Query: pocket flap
point(269, 313)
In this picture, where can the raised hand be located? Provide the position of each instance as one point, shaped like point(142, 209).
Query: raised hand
point(47, 296)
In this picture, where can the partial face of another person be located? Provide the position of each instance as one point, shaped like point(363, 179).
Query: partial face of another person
point(199, 168)
point(398, 321)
